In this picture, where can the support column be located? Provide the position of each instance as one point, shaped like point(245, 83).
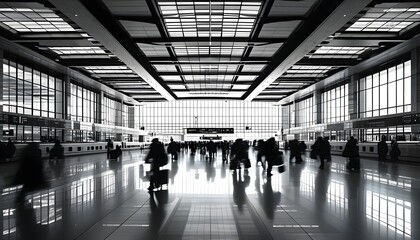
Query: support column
point(318, 106)
point(353, 95)
point(415, 78)
point(415, 88)
point(1, 92)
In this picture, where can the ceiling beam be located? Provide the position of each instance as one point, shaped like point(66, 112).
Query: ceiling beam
point(283, 19)
point(333, 62)
point(208, 73)
point(326, 18)
point(81, 62)
point(135, 18)
point(96, 20)
point(191, 59)
point(206, 39)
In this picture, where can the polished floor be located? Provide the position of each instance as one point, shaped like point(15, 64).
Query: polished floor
point(90, 197)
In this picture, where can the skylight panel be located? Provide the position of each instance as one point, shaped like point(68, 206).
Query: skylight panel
point(353, 51)
point(78, 50)
point(33, 20)
point(209, 18)
point(386, 20)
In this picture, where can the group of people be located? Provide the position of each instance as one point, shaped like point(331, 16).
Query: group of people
point(321, 150)
point(395, 151)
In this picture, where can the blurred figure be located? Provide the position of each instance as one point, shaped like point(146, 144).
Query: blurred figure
point(109, 147)
point(30, 173)
point(261, 152)
point(351, 150)
point(238, 153)
point(56, 161)
point(225, 149)
point(319, 149)
point(382, 149)
point(295, 151)
point(10, 149)
point(173, 150)
point(211, 148)
point(57, 151)
point(395, 150)
point(271, 152)
point(302, 148)
point(327, 149)
point(157, 158)
point(2, 152)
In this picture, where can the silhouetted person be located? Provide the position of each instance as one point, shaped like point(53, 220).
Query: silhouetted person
point(225, 149)
point(57, 151)
point(295, 151)
point(351, 150)
point(157, 158)
point(327, 146)
point(109, 147)
point(119, 150)
point(261, 152)
point(211, 148)
point(271, 152)
point(395, 150)
point(173, 150)
point(382, 149)
point(238, 152)
point(319, 149)
point(302, 149)
point(2, 152)
point(30, 173)
point(10, 149)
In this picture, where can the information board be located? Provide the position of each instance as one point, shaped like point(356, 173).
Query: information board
point(210, 130)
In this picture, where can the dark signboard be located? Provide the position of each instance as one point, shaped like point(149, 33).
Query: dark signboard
point(9, 132)
point(210, 130)
point(211, 138)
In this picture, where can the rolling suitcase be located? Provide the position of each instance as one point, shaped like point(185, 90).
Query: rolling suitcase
point(161, 177)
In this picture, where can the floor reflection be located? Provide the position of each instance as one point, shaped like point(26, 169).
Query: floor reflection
point(377, 202)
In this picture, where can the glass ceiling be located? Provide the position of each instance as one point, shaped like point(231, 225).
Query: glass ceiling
point(77, 50)
point(209, 19)
point(379, 19)
point(33, 20)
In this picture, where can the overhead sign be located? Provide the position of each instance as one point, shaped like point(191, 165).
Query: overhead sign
point(210, 130)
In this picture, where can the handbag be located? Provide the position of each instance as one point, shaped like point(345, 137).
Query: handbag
point(282, 168)
point(278, 159)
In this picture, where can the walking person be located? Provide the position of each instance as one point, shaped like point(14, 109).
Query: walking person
point(327, 149)
point(319, 151)
point(271, 152)
point(109, 147)
point(395, 150)
point(261, 152)
point(173, 150)
point(382, 149)
point(10, 149)
point(351, 150)
point(157, 158)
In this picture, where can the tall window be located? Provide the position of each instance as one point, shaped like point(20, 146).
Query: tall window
point(29, 91)
point(335, 104)
point(305, 113)
point(82, 104)
point(386, 92)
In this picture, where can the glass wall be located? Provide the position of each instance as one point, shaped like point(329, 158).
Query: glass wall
point(335, 104)
point(83, 104)
point(386, 92)
point(257, 119)
point(305, 113)
point(31, 92)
